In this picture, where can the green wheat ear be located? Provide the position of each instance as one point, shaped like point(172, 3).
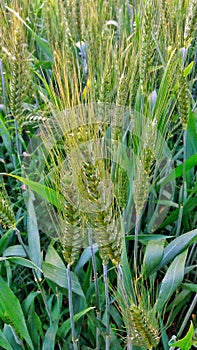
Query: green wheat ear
point(144, 163)
point(103, 215)
point(183, 100)
point(191, 23)
point(20, 72)
point(72, 235)
point(7, 219)
point(147, 51)
point(121, 187)
point(70, 220)
point(144, 327)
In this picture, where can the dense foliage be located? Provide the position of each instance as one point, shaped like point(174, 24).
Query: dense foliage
point(98, 157)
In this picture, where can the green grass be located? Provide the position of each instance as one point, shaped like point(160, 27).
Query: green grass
point(98, 144)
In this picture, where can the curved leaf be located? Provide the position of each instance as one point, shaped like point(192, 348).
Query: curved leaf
point(65, 327)
point(178, 171)
point(177, 246)
point(22, 261)
point(45, 192)
point(186, 342)
point(4, 342)
point(153, 255)
point(59, 276)
point(172, 280)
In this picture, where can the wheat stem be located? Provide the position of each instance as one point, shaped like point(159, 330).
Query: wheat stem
point(3, 83)
point(123, 290)
point(98, 312)
point(184, 165)
point(126, 300)
point(184, 192)
point(107, 308)
point(129, 344)
point(74, 339)
point(18, 143)
point(137, 226)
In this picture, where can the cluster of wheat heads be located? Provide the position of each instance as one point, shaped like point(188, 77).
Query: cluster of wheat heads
point(104, 53)
point(82, 160)
point(110, 68)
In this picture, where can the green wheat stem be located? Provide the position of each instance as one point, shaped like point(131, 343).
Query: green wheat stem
point(187, 316)
point(123, 290)
point(107, 308)
point(184, 194)
point(129, 344)
point(179, 221)
point(36, 277)
point(126, 300)
point(129, 338)
point(70, 302)
point(18, 143)
point(137, 227)
point(3, 84)
point(184, 166)
point(98, 312)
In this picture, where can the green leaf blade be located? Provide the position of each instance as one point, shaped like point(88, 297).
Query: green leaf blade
point(172, 280)
point(10, 309)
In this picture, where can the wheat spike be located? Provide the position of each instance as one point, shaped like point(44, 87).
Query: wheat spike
point(147, 44)
point(129, 80)
point(144, 327)
point(141, 186)
point(183, 100)
point(121, 187)
point(20, 72)
point(72, 234)
point(7, 218)
point(83, 128)
point(148, 153)
point(191, 23)
point(108, 234)
point(107, 88)
point(103, 213)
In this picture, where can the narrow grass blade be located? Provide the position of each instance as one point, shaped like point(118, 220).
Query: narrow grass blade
point(65, 327)
point(178, 171)
point(33, 234)
point(49, 339)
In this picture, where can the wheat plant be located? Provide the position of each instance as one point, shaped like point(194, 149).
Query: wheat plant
point(98, 118)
